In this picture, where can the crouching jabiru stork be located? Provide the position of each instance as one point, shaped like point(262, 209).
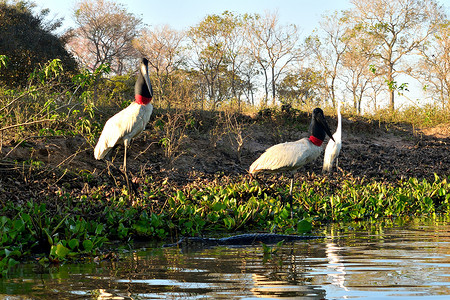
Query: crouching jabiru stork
point(129, 122)
point(288, 157)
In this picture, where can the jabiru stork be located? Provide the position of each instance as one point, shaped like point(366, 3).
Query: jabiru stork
point(290, 156)
point(129, 122)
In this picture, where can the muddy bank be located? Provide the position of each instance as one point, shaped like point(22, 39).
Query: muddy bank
point(209, 151)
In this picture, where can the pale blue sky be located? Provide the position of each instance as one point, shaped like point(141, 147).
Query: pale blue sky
point(181, 14)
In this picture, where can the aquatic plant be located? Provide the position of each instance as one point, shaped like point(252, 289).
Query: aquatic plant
point(72, 228)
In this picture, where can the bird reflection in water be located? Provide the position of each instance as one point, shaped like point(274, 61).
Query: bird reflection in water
point(335, 263)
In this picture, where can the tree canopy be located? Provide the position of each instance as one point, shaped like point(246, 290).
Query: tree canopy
point(28, 41)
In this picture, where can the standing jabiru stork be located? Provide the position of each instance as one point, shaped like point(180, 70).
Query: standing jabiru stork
point(292, 155)
point(334, 146)
point(129, 122)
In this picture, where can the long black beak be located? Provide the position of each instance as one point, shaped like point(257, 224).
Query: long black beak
point(144, 71)
point(323, 122)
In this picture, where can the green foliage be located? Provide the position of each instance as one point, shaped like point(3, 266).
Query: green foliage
point(66, 232)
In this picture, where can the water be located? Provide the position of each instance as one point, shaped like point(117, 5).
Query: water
point(384, 260)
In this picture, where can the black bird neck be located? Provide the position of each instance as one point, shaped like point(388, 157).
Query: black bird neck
point(142, 94)
point(317, 133)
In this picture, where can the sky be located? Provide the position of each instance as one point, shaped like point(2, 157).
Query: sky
point(181, 14)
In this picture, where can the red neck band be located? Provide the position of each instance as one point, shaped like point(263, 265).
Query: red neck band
point(139, 99)
point(315, 141)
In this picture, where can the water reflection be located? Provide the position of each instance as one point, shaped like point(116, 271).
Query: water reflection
point(335, 264)
point(378, 261)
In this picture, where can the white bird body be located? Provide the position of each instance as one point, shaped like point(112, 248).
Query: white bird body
point(334, 146)
point(286, 157)
point(293, 155)
point(122, 127)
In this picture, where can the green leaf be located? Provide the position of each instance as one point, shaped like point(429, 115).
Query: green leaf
point(7, 252)
point(3, 220)
point(99, 229)
point(218, 206)
point(61, 251)
point(18, 225)
point(88, 245)
point(73, 243)
point(304, 226)
point(12, 262)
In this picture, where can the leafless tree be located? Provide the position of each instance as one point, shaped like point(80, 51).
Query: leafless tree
point(434, 66)
point(356, 63)
point(328, 49)
point(399, 27)
point(274, 47)
point(104, 35)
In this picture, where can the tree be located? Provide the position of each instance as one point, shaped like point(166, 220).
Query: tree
point(398, 27)
point(328, 51)
point(356, 62)
point(434, 66)
point(209, 44)
point(274, 47)
point(104, 35)
point(238, 56)
point(300, 87)
point(29, 42)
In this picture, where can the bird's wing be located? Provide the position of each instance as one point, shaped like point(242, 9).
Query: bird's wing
point(286, 156)
point(124, 125)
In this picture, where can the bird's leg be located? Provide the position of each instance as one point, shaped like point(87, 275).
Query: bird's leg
point(108, 164)
point(130, 186)
point(290, 195)
point(125, 168)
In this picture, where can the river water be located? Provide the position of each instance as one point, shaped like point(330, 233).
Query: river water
point(369, 260)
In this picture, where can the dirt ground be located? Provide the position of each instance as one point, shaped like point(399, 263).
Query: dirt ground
point(369, 149)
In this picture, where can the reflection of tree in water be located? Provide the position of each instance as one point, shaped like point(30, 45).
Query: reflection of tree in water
point(284, 274)
point(211, 272)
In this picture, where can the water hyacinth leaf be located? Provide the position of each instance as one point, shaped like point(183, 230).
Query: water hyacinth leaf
point(229, 223)
point(73, 243)
point(12, 262)
point(7, 252)
point(18, 225)
point(99, 229)
point(3, 220)
point(61, 251)
point(26, 218)
point(88, 245)
point(304, 226)
point(218, 206)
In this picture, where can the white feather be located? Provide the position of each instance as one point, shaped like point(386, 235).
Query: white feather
point(333, 147)
point(286, 157)
point(122, 127)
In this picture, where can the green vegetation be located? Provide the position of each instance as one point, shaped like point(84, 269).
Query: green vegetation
point(71, 228)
